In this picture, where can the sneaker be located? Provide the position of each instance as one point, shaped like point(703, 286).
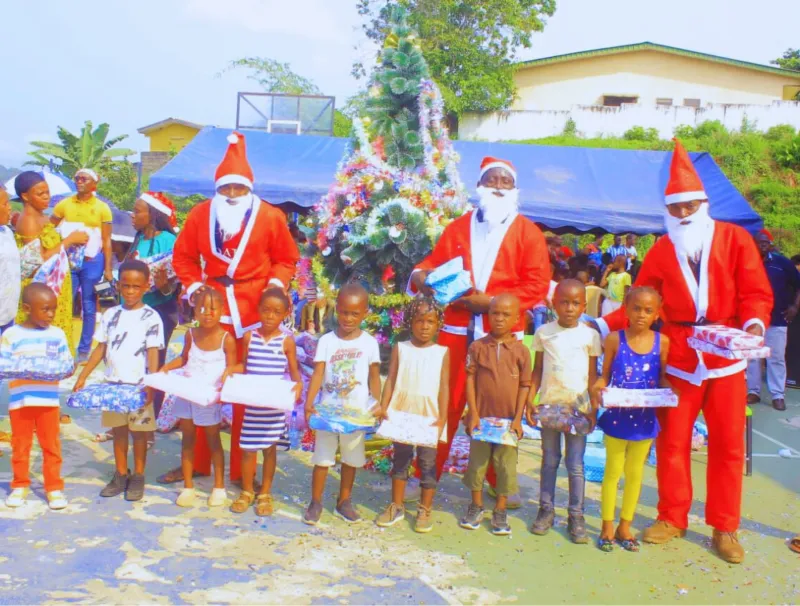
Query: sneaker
point(576, 527)
point(473, 518)
point(347, 512)
point(500, 525)
point(17, 497)
point(313, 513)
point(116, 486)
point(390, 516)
point(56, 500)
point(543, 522)
point(424, 521)
point(135, 489)
point(186, 498)
point(218, 497)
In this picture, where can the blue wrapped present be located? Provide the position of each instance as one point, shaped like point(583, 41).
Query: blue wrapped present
point(76, 254)
point(158, 262)
point(495, 431)
point(110, 397)
point(36, 368)
point(337, 416)
point(449, 281)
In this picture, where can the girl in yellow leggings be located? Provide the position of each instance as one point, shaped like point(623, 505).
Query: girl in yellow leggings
point(635, 358)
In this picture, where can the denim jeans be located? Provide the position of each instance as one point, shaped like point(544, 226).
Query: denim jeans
point(775, 339)
point(540, 317)
point(84, 281)
point(551, 459)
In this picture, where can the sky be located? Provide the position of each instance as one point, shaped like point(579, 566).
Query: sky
point(132, 63)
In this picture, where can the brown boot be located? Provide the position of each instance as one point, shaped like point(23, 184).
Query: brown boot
point(662, 532)
point(727, 546)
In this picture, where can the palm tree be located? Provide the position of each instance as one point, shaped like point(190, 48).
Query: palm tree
point(90, 149)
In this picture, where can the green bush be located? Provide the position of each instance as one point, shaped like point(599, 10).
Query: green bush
point(639, 133)
point(780, 132)
point(787, 153)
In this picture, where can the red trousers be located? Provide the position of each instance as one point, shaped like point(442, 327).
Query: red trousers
point(457, 345)
point(722, 402)
point(44, 422)
point(202, 454)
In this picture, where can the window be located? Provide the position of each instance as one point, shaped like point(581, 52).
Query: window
point(691, 103)
point(664, 102)
point(616, 101)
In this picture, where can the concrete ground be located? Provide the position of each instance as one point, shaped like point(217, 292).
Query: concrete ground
point(111, 551)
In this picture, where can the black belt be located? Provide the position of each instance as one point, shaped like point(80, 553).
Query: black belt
point(227, 281)
point(701, 322)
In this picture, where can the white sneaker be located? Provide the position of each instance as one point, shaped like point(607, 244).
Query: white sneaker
point(218, 497)
point(56, 500)
point(17, 497)
point(186, 498)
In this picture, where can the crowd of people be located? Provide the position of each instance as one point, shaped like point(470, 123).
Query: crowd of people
point(234, 260)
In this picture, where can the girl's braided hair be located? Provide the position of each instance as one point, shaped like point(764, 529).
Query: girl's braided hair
point(422, 304)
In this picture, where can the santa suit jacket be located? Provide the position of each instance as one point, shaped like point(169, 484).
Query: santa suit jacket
point(515, 260)
point(265, 251)
point(733, 290)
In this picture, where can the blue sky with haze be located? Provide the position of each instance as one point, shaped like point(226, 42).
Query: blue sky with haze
point(135, 63)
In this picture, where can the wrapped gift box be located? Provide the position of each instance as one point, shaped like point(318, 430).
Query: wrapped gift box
point(616, 397)
point(496, 431)
point(111, 397)
point(182, 386)
point(563, 418)
point(259, 391)
point(36, 368)
point(157, 263)
point(338, 417)
point(76, 254)
point(449, 281)
point(409, 428)
point(729, 354)
point(727, 337)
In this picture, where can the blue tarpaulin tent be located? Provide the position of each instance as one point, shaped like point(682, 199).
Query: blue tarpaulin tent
point(562, 188)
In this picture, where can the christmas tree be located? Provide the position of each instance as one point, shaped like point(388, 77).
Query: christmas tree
point(398, 186)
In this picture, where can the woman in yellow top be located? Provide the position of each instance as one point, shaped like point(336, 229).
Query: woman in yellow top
point(38, 240)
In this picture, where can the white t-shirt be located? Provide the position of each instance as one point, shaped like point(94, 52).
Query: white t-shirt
point(632, 253)
point(565, 372)
point(347, 364)
point(10, 272)
point(128, 334)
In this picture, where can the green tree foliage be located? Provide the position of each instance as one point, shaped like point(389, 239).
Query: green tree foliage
point(469, 45)
point(90, 149)
point(118, 184)
point(789, 60)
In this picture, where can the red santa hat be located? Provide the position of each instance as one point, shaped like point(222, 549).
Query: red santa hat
point(684, 182)
point(157, 200)
point(234, 167)
point(490, 163)
point(767, 233)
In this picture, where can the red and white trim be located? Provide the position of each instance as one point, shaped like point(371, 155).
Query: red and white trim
point(504, 165)
point(686, 196)
point(235, 179)
point(156, 203)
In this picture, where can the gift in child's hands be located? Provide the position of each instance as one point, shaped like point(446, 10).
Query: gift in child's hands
point(36, 368)
point(449, 281)
point(111, 397)
point(259, 391)
point(729, 354)
point(495, 431)
point(616, 397)
point(409, 428)
point(727, 337)
point(192, 389)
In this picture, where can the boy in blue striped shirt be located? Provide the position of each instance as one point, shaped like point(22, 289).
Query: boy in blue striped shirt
point(34, 405)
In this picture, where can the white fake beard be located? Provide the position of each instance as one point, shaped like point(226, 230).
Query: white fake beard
point(688, 239)
point(230, 212)
point(496, 209)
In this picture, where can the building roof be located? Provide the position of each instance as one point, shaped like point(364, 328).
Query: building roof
point(651, 46)
point(169, 121)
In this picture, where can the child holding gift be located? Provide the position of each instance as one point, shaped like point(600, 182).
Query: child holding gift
point(268, 351)
point(635, 358)
point(498, 382)
point(210, 355)
point(418, 383)
point(128, 341)
point(347, 368)
point(34, 405)
point(565, 368)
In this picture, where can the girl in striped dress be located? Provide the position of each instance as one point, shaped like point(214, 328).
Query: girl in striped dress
point(268, 351)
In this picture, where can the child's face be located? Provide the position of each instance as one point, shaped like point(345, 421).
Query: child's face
point(503, 315)
point(5, 208)
point(272, 312)
point(642, 309)
point(41, 309)
point(569, 303)
point(425, 325)
point(132, 287)
point(208, 312)
point(350, 312)
point(620, 263)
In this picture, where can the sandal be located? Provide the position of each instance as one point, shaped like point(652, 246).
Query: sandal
point(243, 502)
point(264, 506)
point(628, 544)
point(794, 544)
point(606, 545)
point(103, 437)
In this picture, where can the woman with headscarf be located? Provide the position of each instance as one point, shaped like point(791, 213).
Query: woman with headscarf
point(38, 240)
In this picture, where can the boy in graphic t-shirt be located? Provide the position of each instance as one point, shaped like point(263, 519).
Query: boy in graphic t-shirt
point(128, 341)
point(347, 370)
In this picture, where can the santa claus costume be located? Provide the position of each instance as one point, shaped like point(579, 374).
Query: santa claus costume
point(708, 272)
point(505, 253)
point(238, 247)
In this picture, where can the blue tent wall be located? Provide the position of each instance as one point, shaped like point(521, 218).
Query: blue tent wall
point(561, 187)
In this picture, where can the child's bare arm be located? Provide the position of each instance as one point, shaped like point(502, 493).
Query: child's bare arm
point(596, 388)
point(181, 360)
point(473, 414)
point(231, 361)
point(388, 386)
point(313, 388)
point(290, 349)
point(97, 355)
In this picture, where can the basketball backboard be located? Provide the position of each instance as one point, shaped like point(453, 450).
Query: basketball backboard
point(282, 113)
